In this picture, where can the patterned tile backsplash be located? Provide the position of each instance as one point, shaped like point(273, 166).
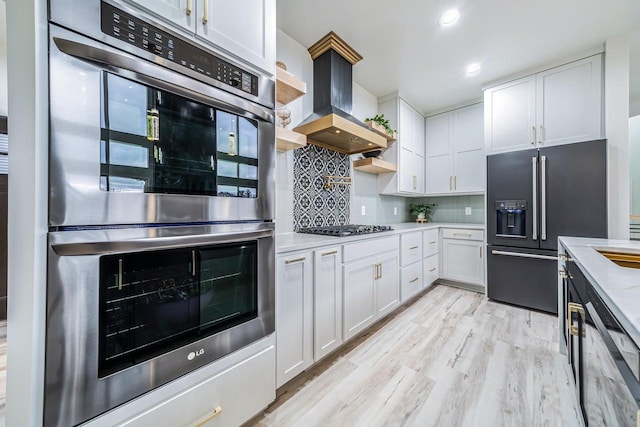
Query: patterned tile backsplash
point(312, 204)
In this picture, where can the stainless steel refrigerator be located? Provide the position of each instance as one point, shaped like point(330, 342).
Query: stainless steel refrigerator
point(534, 196)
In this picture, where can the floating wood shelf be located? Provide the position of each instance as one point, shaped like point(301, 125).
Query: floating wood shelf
point(288, 86)
point(289, 140)
point(373, 165)
point(380, 130)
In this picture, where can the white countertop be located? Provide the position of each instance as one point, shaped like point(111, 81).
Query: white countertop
point(619, 287)
point(289, 242)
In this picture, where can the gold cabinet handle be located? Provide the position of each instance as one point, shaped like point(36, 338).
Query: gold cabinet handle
point(289, 261)
point(205, 13)
point(572, 307)
point(380, 264)
point(533, 135)
point(413, 247)
point(462, 234)
point(563, 275)
point(335, 251)
point(216, 412)
point(565, 257)
point(189, 7)
point(450, 183)
point(455, 182)
point(432, 270)
point(415, 182)
point(376, 265)
point(413, 280)
point(540, 128)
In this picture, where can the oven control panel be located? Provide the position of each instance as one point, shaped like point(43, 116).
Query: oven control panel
point(122, 26)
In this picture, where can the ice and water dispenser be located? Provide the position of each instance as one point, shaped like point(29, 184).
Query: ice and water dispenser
point(511, 218)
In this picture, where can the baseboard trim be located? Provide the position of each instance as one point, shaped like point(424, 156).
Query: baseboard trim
point(468, 286)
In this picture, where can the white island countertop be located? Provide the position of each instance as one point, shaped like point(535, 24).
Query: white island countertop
point(619, 287)
point(289, 242)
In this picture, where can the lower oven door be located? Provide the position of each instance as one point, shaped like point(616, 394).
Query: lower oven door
point(131, 309)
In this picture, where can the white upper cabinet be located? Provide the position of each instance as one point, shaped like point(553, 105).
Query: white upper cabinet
point(179, 13)
point(558, 106)
point(407, 153)
point(244, 28)
point(455, 151)
point(568, 102)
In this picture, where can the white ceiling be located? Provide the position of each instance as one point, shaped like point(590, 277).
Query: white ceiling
point(405, 49)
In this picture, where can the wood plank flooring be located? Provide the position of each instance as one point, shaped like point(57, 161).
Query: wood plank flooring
point(452, 358)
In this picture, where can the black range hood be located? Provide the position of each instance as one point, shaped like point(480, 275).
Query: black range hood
point(331, 124)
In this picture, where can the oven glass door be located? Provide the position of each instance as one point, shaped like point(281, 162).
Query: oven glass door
point(154, 141)
point(154, 302)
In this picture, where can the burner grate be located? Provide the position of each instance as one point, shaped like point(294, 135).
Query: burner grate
point(345, 230)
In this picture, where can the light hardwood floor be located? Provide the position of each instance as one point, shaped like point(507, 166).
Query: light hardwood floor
point(452, 358)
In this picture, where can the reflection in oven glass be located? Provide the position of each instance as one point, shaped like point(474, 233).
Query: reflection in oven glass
point(159, 142)
point(153, 302)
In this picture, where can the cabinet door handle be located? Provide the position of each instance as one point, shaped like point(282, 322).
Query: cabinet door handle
point(480, 251)
point(433, 242)
point(189, 7)
point(216, 412)
point(455, 182)
point(533, 135)
point(450, 183)
point(415, 182)
point(289, 261)
point(119, 274)
point(413, 247)
point(462, 234)
point(377, 271)
point(540, 129)
point(193, 263)
point(380, 264)
point(432, 270)
point(335, 251)
point(414, 280)
point(572, 307)
point(205, 13)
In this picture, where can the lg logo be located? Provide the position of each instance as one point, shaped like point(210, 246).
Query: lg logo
point(195, 354)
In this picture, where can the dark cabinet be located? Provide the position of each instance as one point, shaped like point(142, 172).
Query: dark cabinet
point(603, 358)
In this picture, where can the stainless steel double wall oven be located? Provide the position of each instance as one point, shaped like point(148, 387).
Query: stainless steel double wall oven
point(161, 207)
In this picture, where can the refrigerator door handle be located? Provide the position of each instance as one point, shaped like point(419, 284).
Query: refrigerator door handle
point(543, 198)
point(534, 184)
point(524, 255)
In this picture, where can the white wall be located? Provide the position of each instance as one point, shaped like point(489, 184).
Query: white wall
point(634, 164)
point(617, 133)
point(3, 61)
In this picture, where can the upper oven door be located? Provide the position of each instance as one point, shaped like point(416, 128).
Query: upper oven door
point(135, 143)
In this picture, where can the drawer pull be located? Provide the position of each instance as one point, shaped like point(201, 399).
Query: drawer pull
point(413, 280)
point(335, 251)
point(413, 247)
point(217, 412)
point(573, 307)
point(289, 261)
point(462, 234)
point(432, 270)
point(433, 242)
point(205, 13)
point(189, 7)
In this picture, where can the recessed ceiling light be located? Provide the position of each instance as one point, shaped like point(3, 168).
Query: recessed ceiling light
point(449, 17)
point(473, 69)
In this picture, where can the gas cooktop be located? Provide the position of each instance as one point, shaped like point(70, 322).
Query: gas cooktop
point(345, 230)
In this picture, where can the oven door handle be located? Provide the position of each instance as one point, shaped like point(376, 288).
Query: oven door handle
point(153, 243)
point(140, 67)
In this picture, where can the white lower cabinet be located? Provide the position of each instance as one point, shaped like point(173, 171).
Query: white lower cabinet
point(411, 282)
point(327, 302)
point(371, 285)
point(226, 399)
point(294, 315)
point(463, 255)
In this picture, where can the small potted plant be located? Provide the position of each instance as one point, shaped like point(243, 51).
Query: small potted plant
point(422, 212)
point(380, 124)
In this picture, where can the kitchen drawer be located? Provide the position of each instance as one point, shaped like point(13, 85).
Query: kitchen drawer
point(430, 270)
point(369, 247)
point(410, 281)
point(462, 233)
point(239, 392)
point(410, 248)
point(430, 242)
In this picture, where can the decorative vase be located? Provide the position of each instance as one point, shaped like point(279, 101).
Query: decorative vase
point(421, 216)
